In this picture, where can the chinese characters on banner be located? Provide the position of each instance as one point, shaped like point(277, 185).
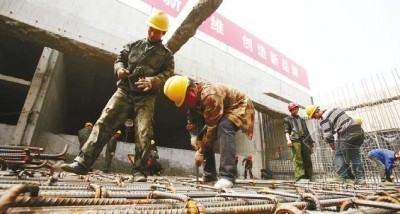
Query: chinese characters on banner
point(229, 33)
point(232, 35)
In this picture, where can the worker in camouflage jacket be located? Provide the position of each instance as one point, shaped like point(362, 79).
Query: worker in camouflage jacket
point(299, 140)
point(224, 111)
point(142, 68)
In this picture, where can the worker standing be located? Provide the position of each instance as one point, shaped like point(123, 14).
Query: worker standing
point(224, 110)
point(142, 68)
point(300, 142)
point(350, 137)
point(83, 133)
point(110, 150)
point(248, 166)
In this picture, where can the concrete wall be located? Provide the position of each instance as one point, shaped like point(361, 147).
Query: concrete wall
point(6, 133)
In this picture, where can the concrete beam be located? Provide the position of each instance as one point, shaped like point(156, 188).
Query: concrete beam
point(53, 40)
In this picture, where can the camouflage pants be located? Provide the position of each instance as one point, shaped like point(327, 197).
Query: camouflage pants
point(120, 105)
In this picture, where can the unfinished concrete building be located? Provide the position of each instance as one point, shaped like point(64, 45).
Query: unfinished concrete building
point(56, 73)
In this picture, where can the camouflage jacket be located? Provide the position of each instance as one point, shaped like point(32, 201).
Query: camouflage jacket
point(153, 60)
point(216, 101)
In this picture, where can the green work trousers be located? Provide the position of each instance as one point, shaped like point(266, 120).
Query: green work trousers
point(114, 114)
point(301, 157)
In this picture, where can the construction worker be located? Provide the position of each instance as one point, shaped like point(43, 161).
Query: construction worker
point(224, 110)
point(83, 134)
point(142, 68)
point(110, 150)
point(384, 160)
point(300, 142)
point(266, 173)
point(248, 166)
point(350, 137)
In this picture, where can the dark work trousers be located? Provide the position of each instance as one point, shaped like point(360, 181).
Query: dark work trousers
point(114, 114)
point(348, 154)
point(227, 143)
point(250, 173)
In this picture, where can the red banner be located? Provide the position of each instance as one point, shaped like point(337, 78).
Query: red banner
point(171, 7)
point(229, 33)
point(232, 35)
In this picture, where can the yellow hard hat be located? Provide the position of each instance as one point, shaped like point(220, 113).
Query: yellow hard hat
point(119, 132)
point(159, 21)
point(358, 121)
point(310, 110)
point(152, 142)
point(175, 89)
point(88, 124)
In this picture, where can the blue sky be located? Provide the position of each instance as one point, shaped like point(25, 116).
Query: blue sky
point(336, 41)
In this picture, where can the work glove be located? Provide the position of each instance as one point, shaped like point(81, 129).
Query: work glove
point(198, 158)
point(194, 142)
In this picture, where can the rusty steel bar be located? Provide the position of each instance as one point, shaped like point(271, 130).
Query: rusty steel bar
point(97, 209)
point(375, 204)
point(7, 199)
point(266, 208)
point(59, 156)
point(114, 194)
point(21, 148)
point(3, 151)
point(45, 201)
point(270, 198)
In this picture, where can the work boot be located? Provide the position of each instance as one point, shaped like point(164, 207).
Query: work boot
point(223, 183)
point(74, 167)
